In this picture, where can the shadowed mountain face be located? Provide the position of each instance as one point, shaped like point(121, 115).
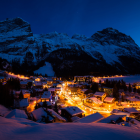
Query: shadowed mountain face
point(105, 52)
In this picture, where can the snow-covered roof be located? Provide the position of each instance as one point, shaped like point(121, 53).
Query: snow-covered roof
point(75, 118)
point(17, 113)
point(100, 94)
point(118, 112)
point(95, 100)
point(38, 90)
point(24, 102)
point(59, 85)
point(25, 92)
point(58, 88)
point(131, 110)
point(83, 90)
point(73, 110)
point(51, 89)
point(91, 118)
point(47, 102)
point(44, 83)
point(17, 92)
point(108, 99)
point(38, 83)
point(3, 110)
point(111, 118)
point(38, 113)
point(46, 95)
point(23, 82)
point(56, 115)
point(132, 99)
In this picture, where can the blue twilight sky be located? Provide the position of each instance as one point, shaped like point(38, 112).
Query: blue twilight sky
point(76, 16)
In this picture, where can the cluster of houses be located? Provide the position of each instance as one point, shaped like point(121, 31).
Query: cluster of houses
point(39, 100)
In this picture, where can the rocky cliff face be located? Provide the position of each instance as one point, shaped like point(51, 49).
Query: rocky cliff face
point(107, 51)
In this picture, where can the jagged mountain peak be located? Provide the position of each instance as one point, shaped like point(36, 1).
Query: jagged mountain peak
point(112, 36)
point(78, 36)
point(14, 23)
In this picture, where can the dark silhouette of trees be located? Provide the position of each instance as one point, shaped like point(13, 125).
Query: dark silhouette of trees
point(56, 108)
point(115, 92)
point(45, 104)
point(129, 88)
point(95, 87)
point(21, 95)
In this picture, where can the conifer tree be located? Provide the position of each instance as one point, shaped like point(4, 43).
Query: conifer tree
point(115, 92)
point(21, 95)
point(129, 88)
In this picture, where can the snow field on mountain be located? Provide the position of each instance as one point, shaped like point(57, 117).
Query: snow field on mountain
point(47, 69)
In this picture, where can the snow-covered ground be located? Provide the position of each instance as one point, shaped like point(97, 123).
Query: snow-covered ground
point(47, 69)
point(3, 110)
point(127, 79)
point(22, 129)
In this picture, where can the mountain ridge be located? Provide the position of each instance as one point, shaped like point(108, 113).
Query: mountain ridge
point(109, 48)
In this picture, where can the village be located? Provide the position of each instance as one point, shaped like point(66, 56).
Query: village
point(83, 99)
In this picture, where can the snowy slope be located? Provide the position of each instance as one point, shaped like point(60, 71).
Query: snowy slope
point(22, 129)
point(47, 69)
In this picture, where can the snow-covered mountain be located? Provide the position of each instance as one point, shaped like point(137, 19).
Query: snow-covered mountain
point(106, 51)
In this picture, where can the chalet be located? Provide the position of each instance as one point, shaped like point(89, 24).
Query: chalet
point(118, 112)
point(137, 85)
point(23, 84)
point(37, 79)
point(137, 96)
point(38, 84)
point(91, 118)
point(107, 90)
point(52, 90)
point(23, 104)
point(100, 95)
point(16, 93)
point(49, 82)
point(69, 112)
point(73, 91)
point(17, 113)
point(81, 78)
point(58, 89)
point(83, 93)
point(49, 105)
point(133, 100)
point(94, 100)
point(59, 85)
point(57, 117)
point(40, 115)
point(114, 119)
point(26, 94)
point(44, 84)
point(131, 110)
point(46, 96)
point(109, 100)
point(38, 91)
point(54, 84)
